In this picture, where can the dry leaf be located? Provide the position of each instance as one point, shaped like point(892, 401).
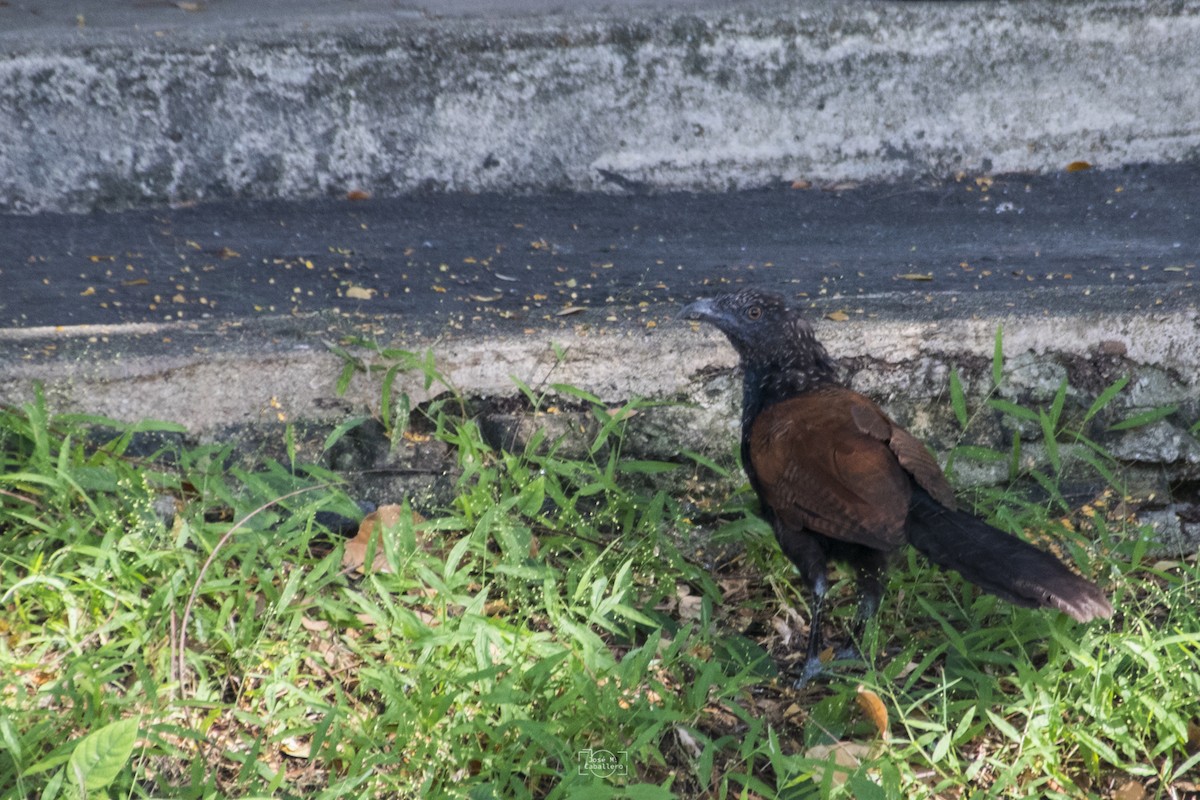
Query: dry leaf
point(88, 292)
point(358, 194)
point(1078, 166)
point(1193, 742)
point(688, 742)
point(847, 757)
point(801, 184)
point(360, 293)
point(569, 310)
point(915, 276)
point(354, 557)
point(485, 298)
point(496, 608)
point(874, 708)
point(783, 630)
point(837, 316)
point(294, 747)
point(1129, 790)
point(136, 282)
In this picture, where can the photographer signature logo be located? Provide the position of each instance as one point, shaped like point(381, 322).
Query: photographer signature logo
point(604, 763)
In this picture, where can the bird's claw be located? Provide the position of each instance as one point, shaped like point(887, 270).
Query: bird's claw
point(816, 668)
point(813, 668)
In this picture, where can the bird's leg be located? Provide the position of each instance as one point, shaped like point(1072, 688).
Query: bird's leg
point(808, 554)
point(869, 566)
point(812, 651)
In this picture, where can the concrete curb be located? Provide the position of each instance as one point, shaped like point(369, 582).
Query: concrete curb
point(211, 377)
point(666, 96)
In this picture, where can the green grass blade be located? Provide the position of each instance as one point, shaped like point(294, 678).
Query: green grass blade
point(1145, 418)
point(1049, 441)
point(958, 400)
point(998, 357)
point(1012, 409)
point(1104, 398)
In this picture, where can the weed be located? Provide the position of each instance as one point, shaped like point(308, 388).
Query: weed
point(186, 627)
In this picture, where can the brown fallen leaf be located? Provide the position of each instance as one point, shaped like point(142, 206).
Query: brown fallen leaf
point(1078, 166)
point(847, 757)
point(354, 557)
point(296, 747)
point(485, 298)
point(874, 708)
point(915, 276)
point(314, 625)
point(1129, 790)
point(801, 184)
point(358, 194)
point(569, 310)
point(837, 316)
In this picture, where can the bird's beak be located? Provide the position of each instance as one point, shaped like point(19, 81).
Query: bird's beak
point(702, 310)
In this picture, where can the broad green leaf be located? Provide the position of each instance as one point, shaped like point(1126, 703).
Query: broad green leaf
point(101, 755)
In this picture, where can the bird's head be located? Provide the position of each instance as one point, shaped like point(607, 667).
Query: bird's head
point(753, 319)
point(766, 333)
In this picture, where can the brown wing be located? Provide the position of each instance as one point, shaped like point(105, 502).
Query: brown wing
point(916, 459)
point(832, 462)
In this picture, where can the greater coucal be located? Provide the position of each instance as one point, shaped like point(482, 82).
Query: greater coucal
point(838, 479)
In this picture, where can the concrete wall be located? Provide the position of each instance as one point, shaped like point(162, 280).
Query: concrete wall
point(672, 96)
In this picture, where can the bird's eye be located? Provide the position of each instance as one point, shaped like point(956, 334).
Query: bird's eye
point(753, 312)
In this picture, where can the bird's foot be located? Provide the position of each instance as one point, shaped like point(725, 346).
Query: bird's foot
point(848, 652)
point(818, 666)
point(813, 668)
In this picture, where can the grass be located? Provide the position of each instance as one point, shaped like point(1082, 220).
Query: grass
point(172, 624)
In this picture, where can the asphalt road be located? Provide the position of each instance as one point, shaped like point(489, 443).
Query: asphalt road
point(1056, 243)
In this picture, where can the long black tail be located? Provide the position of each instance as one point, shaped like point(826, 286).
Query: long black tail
point(1000, 563)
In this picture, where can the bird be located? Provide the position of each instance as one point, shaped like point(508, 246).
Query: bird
point(839, 480)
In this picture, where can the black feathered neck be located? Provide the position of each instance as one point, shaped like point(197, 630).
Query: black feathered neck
point(798, 363)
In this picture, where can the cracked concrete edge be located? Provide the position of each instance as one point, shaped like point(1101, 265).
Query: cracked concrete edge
point(209, 380)
point(700, 98)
